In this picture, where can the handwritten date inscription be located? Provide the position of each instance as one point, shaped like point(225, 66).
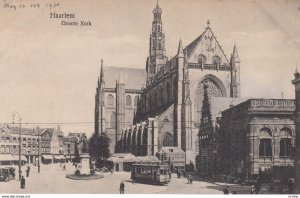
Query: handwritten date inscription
point(15, 6)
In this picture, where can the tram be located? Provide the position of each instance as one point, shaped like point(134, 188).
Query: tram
point(151, 173)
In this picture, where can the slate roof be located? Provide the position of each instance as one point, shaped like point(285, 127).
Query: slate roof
point(189, 48)
point(133, 78)
point(24, 131)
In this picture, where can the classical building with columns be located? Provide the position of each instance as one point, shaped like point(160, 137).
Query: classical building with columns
point(158, 108)
point(256, 134)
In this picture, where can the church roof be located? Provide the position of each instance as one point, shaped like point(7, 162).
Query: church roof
point(189, 49)
point(133, 78)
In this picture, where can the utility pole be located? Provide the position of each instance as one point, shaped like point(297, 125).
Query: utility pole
point(39, 152)
point(20, 121)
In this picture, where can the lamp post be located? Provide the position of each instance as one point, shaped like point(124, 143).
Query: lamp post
point(20, 120)
point(39, 152)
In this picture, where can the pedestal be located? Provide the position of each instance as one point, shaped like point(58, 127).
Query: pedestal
point(85, 164)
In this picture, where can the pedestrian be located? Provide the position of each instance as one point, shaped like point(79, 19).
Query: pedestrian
point(225, 190)
point(112, 171)
point(122, 187)
point(212, 179)
point(234, 192)
point(22, 182)
point(155, 176)
point(257, 188)
point(170, 174)
point(291, 182)
point(64, 167)
point(191, 179)
point(27, 171)
point(252, 189)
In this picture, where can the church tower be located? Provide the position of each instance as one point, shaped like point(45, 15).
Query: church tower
point(157, 53)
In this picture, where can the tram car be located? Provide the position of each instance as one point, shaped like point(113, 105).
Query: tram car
point(151, 173)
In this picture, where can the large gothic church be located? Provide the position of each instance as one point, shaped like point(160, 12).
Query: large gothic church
point(157, 108)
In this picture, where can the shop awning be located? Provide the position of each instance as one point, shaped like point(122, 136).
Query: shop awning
point(16, 158)
point(147, 159)
point(48, 157)
point(58, 157)
point(114, 159)
point(6, 157)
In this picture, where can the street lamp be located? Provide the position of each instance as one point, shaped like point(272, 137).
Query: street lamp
point(39, 151)
point(20, 120)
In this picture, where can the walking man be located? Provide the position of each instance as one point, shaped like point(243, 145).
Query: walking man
point(291, 182)
point(22, 182)
point(27, 171)
point(122, 187)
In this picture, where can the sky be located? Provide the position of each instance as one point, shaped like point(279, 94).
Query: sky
point(48, 72)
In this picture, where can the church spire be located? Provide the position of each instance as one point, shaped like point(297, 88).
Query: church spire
point(180, 50)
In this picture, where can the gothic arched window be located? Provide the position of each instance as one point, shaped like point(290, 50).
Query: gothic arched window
point(197, 145)
point(168, 92)
point(112, 120)
point(155, 99)
point(110, 100)
point(128, 101)
point(167, 140)
point(161, 95)
point(201, 59)
point(216, 61)
point(136, 100)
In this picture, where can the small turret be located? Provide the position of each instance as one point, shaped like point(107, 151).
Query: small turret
point(235, 56)
point(180, 50)
point(121, 78)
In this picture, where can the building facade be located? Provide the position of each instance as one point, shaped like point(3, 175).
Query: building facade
point(256, 134)
point(69, 144)
point(296, 150)
point(9, 143)
point(167, 94)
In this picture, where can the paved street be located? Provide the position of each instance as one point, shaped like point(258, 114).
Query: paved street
point(52, 180)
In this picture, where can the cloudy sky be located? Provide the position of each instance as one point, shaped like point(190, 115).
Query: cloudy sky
point(48, 72)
